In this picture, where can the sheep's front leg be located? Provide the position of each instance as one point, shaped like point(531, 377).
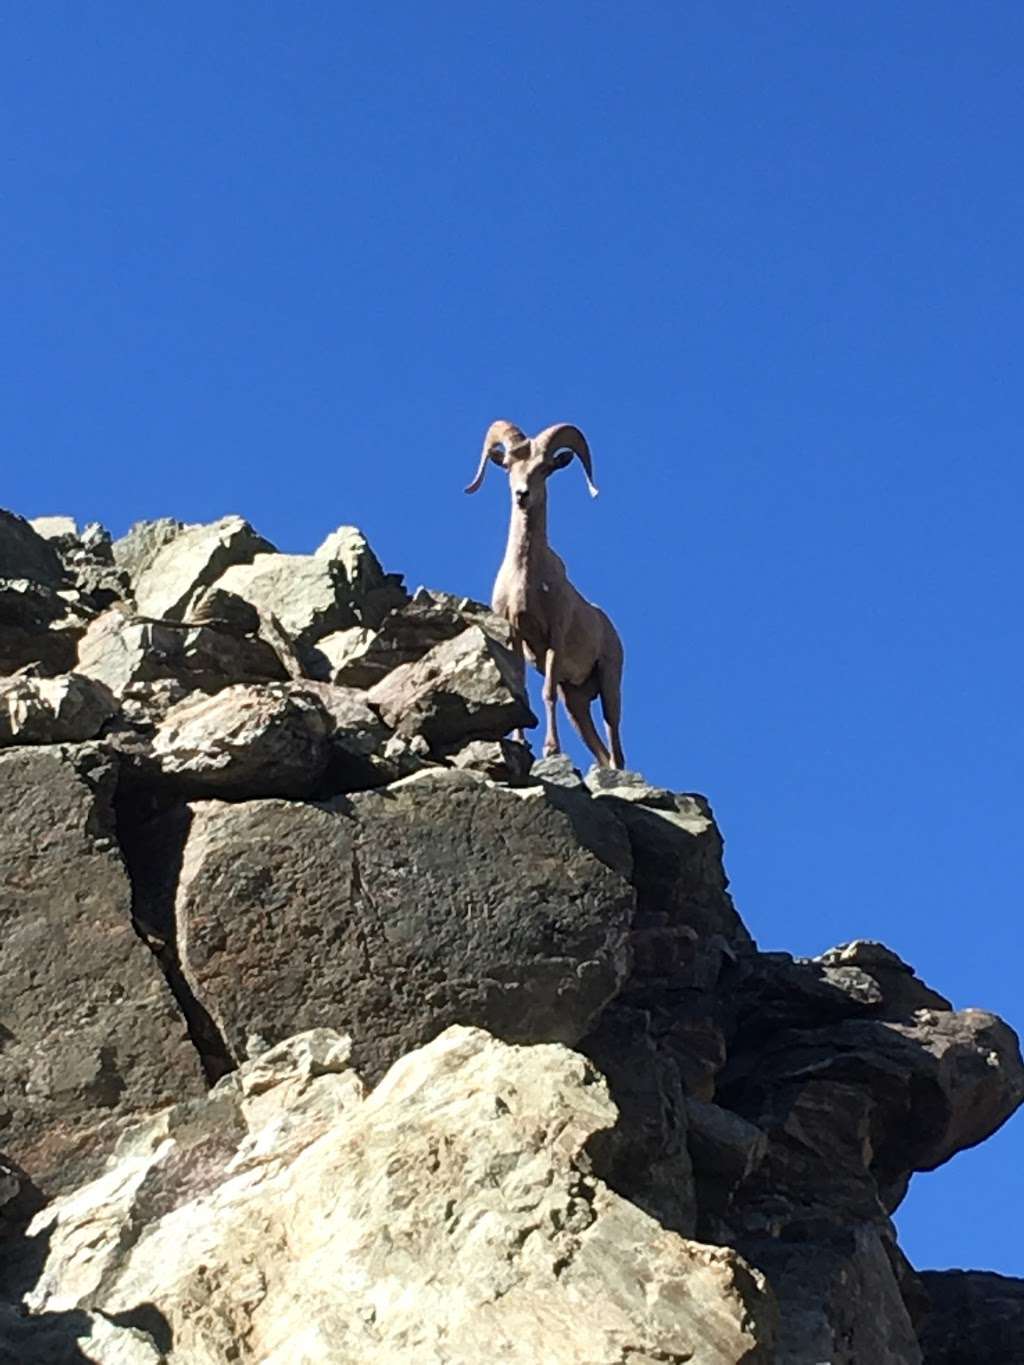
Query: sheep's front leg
point(551, 744)
point(516, 646)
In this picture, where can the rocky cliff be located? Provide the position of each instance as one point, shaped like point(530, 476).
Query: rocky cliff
point(335, 1029)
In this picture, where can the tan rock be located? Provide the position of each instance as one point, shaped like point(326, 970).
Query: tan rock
point(450, 1217)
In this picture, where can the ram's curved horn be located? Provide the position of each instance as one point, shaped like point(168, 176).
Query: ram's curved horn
point(565, 437)
point(500, 438)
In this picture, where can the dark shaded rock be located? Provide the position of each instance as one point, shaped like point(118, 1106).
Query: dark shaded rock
point(853, 1108)
point(57, 710)
point(195, 557)
point(392, 915)
point(840, 1298)
point(226, 610)
point(25, 554)
point(972, 1317)
point(644, 1157)
point(724, 1149)
point(92, 1036)
point(39, 626)
point(464, 689)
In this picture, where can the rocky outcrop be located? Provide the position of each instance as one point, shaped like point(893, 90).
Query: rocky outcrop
point(471, 1154)
point(411, 921)
point(251, 801)
point(194, 558)
point(92, 1036)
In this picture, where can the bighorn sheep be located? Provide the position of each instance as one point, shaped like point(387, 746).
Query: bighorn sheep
point(568, 639)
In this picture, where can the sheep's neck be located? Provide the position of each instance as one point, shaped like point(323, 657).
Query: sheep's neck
point(527, 536)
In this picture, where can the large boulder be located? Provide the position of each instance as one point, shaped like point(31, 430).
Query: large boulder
point(449, 1216)
point(392, 915)
point(53, 710)
point(296, 739)
point(245, 741)
point(463, 689)
point(124, 651)
point(852, 1108)
point(194, 558)
point(24, 553)
point(91, 1034)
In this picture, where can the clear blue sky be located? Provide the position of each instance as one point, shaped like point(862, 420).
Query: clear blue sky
point(290, 260)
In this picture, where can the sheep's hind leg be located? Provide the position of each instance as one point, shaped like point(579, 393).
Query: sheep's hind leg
point(610, 685)
point(577, 703)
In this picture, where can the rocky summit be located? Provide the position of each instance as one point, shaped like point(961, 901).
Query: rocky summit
point(335, 1029)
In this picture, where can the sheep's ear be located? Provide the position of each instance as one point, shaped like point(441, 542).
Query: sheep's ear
point(562, 460)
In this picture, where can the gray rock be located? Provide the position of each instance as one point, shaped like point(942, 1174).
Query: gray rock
point(122, 651)
point(557, 770)
point(57, 710)
point(135, 551)
point(92, 1036)
point(194, 558)
point(374, 593)
point(410, 916)
point(25, 554)
point(464, 689)
point(246, 741)
point(360, 657)
point(502, 760)
point(972, 1317)
point(309, 596)
point(470, 611)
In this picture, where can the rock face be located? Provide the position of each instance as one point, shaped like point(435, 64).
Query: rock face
point(249, 801)
point(91, 1034)
point(411, 920)
point(972, 1318)
point(470, 1153)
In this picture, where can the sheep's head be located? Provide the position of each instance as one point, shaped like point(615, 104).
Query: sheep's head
point(529, 463)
